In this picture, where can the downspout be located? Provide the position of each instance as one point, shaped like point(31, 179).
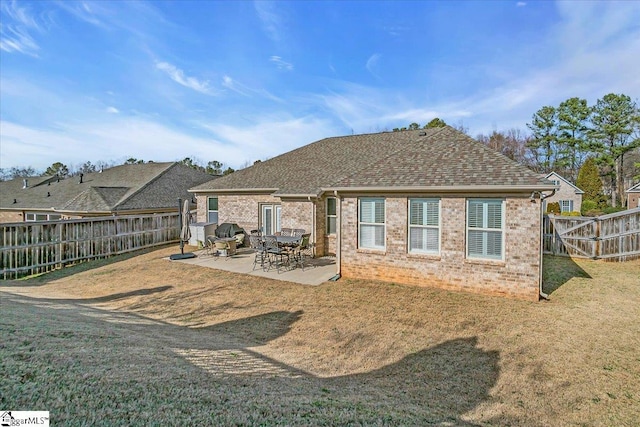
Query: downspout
point(338, 234)
point(542, 197)
point(313, 224)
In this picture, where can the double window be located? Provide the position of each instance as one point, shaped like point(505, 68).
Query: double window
point(566, 205)
point(485, 228)
point(424, 226)
point(212, 209)
point(331, 215)
point(371, 223)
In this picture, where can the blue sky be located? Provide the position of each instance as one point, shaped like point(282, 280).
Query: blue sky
point(240, 81)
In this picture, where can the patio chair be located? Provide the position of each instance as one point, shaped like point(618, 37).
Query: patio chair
point(298, 232)
point(286, 232)
point(226, 248)
point(257, 245)
point(210, 246)
point(275, 254)
point(303, 251)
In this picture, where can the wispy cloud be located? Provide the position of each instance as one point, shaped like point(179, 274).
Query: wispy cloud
point(112, 110)
point(271, 21)
point(86, 11)
point(521, 4)
point(245, 90)
point(280, 63)
point(179, 77)
point(372, 64)
point(15, 29)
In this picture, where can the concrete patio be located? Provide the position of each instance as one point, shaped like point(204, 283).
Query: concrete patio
point(316, 270)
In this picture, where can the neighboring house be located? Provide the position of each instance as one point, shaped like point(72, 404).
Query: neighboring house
point(428, 207)
point(633, 196)
point(568, 195)
point(121, 190)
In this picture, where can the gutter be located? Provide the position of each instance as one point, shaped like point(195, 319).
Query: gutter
point(338, 234)
point(443, 188)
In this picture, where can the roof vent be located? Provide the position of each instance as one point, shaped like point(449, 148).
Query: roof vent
point(81, 175)
point(48, 194)
point(423, 133)
point(15, 201)
point(25, 183)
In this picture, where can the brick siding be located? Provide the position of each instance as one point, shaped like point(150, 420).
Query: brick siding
point(517, 276)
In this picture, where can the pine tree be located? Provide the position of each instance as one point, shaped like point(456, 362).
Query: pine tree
point(589, 181)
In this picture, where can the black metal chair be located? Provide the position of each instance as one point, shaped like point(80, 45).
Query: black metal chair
point(286, 231)
point(275, 254)
point(257, 245)
point(303, 251)
point(298, 232)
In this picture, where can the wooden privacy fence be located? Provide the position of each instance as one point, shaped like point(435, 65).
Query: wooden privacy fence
point(614, 237)
point(37, 247)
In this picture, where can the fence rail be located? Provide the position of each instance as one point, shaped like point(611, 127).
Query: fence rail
point(614, 237)
point(37, 247)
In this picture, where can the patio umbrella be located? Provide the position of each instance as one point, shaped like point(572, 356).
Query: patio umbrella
point(185, 231)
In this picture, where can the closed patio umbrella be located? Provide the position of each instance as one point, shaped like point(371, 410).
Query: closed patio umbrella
point(185, 231)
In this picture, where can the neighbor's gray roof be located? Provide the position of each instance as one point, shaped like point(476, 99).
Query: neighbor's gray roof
point(634, 189)
point(121, 188)
point(420, 159)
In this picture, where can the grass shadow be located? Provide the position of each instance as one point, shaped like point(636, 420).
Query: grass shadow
point(166, 368)
point(558, 270)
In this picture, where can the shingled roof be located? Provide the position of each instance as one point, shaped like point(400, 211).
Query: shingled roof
point(146, 186)
point(429, 159)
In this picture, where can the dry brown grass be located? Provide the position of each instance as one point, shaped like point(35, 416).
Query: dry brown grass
point(181, 342)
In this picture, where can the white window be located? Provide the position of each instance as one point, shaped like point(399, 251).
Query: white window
point(34, 216)
point(212, 209)
point(424, 226)
point(566, 205)
point(485, 225)
point(371, 224)
point(331, 215)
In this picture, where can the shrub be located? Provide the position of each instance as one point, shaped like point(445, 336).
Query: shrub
point(613, 209)
point(554, 208)
point(589, 206)
point(573, 213)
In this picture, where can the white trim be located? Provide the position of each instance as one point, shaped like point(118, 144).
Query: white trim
point(502, 229)
point(422, 226)
point(373, 225)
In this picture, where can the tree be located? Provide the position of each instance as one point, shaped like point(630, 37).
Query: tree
point(414, 126)
point(573, 118)
point(214, 167)
point(435, 123)
point(58, 169)
point(589, 181)
point(512, 144)
point(228, 170)
point(15, 172)
point(545, 135)
point(615, 119)
point(133, 161)
point(87, 167)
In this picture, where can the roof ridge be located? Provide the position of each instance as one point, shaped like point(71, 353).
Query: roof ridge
point(155, 178)
point(397, 149)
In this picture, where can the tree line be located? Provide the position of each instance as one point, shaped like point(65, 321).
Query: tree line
point(212, 167)
point(561, 138)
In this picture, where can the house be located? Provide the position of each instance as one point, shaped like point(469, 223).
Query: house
point(121, 190)
point(568, 195)
point(428, 207)
point(633, 196)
